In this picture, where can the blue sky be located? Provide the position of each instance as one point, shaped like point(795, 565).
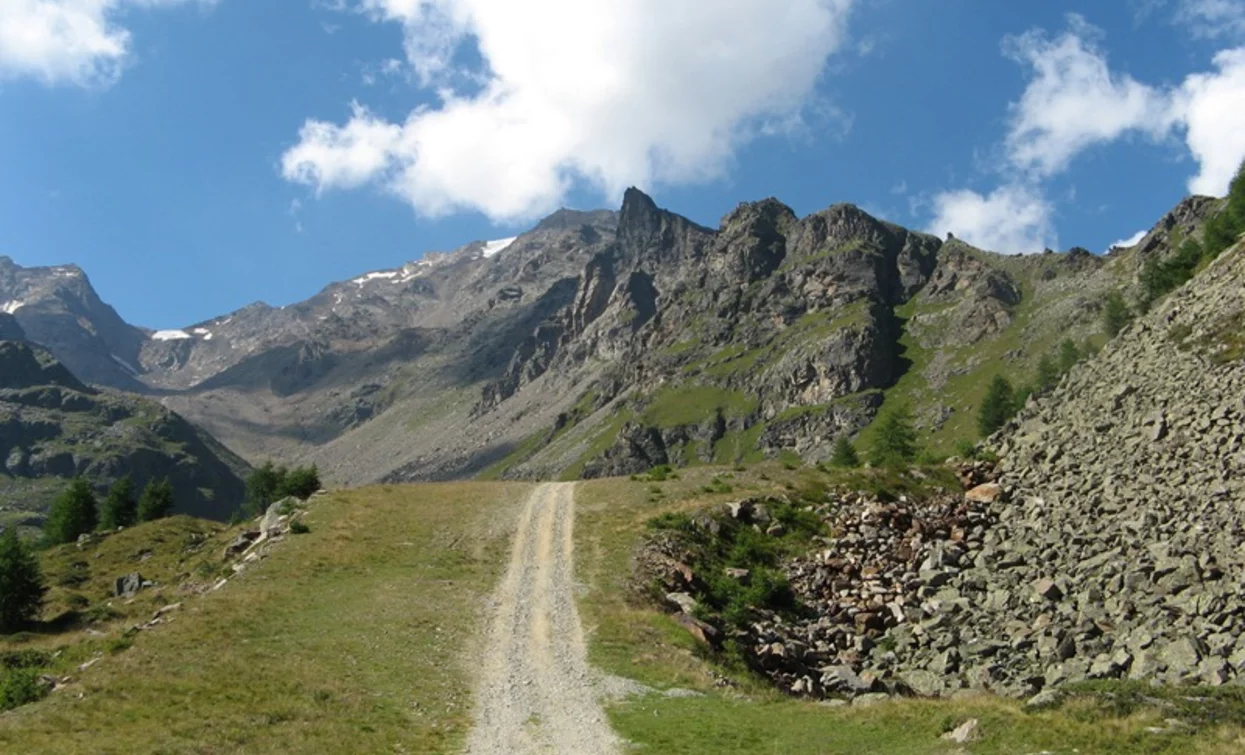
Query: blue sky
point(195, 156)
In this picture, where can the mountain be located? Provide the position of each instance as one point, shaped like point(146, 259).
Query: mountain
point(53, 427)
point(608, 342)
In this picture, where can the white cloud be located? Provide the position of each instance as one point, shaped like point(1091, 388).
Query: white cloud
point(1074, 101)
point(1130, 241)
point(1012, 219)
point(1212, 108)
point(609, 93)
point(1212, 19)
point(68, 41)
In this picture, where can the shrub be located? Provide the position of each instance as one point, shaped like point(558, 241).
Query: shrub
point(1069, 355)
point(156, 501)
point(270, 483)
point(895, 441)
point(299, 527)
point(72, 514)
point(120, 508)
point(20, 686)
point(21, 583)
point(1048, 372)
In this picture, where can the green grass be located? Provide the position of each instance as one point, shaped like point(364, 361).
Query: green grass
point(693, 404)
point(628, 637)
point(600, 443)
point(523, 451)
point(354, 637)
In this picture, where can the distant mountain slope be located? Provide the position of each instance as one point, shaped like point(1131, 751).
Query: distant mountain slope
point(603, 342)
point(53, 427)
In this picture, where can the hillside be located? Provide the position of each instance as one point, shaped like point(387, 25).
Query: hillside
point(603, 343)
point(54, 427)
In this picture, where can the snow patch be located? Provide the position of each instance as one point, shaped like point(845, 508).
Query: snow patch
point(373, 276)
point(170, 335)
point(201, 332)
point(12, 306)
point(493, 247)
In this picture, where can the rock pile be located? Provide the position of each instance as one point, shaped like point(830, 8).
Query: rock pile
point(1111, 545)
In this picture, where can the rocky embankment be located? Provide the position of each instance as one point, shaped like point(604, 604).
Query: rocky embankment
point(1108, 543)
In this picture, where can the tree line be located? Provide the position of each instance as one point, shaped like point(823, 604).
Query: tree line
point(77, 512)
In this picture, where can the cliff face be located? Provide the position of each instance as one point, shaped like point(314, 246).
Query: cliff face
point(601, 342)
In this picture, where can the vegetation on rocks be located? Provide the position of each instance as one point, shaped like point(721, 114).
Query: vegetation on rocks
point(270, 483)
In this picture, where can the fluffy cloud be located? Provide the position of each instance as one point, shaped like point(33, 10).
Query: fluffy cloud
point(608, 93)
point(1074, 101)
point(1212, 108)
point(67, 41)
point(1012, 219)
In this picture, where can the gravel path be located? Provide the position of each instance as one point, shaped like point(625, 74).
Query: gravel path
point(535, 694)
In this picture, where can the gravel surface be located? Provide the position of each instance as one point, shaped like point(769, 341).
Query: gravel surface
point(535, 691)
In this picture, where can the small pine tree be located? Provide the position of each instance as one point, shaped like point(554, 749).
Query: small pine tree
point(156, 501)
point(895, 441)
point(21, 583)
point(844, 453)
point(73, 514)
point(997, 407)
point(120, 507)
point(1047, 372)
point(1069, 355)
point(1115, 314)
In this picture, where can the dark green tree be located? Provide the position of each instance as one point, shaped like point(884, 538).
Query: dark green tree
point(120, 507)
point(300, 482)
point(263, 487)
point(1069, 355)
point(156, 501)
point(1115, 314)
point(73, 514)
point(844, 453)
point(1047, 372)
point(997, 407)
point(21, 583)
point(895, 441)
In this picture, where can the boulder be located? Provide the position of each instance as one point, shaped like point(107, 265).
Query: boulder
point(129, 585)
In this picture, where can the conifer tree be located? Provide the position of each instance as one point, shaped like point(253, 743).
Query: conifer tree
point(895, 440)
point(1069, 355)
point(120, 507)
point(73, 514)
point(21, 583)
point(1115, 314)
point(997, 407)
point(156, 501)
point(844, 453)
point(1047, 372)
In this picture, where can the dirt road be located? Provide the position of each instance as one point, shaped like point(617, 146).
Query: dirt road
point(535, 694)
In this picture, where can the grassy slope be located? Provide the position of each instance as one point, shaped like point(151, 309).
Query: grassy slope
point(353, 638)
point(634, 640)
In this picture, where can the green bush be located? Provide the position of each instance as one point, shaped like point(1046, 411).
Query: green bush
point(299, 527)
point(21, 686)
